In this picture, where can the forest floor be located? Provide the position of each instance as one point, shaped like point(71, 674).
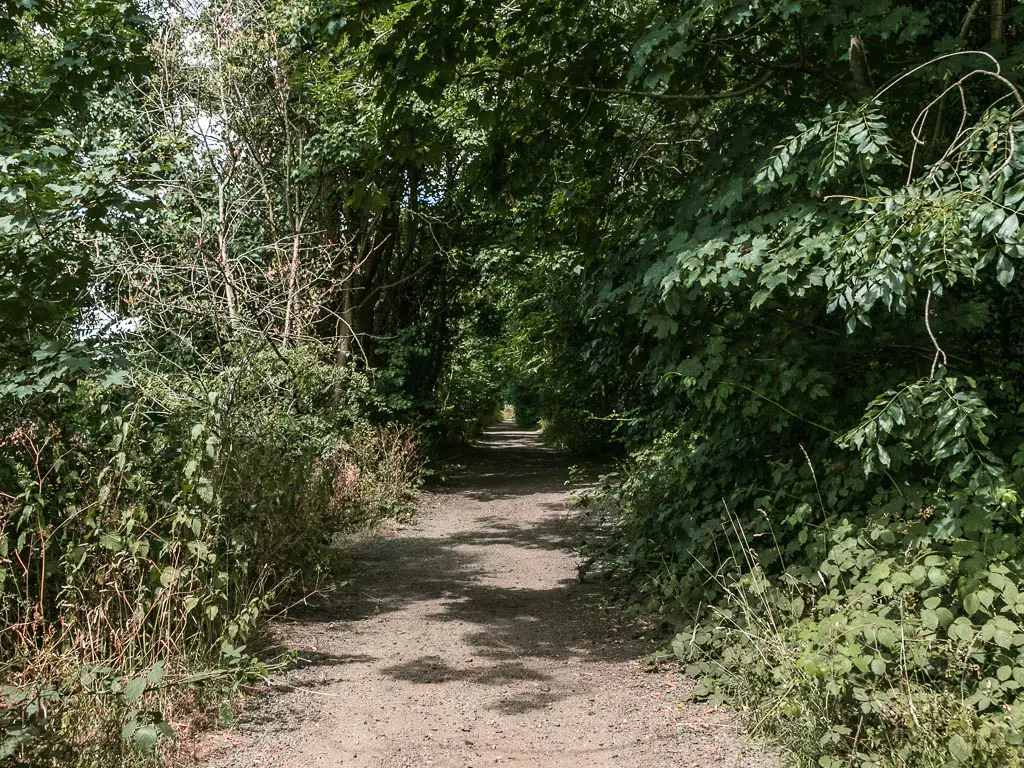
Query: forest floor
point(467, 640)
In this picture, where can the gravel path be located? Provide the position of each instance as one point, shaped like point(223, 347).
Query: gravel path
point(467, 640)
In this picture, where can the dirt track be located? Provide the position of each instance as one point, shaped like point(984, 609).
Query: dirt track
point(466, 640)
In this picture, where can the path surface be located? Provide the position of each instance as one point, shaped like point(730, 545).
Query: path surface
point(466, 640)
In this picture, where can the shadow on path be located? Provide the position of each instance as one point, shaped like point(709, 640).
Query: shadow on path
point(467, 640)
point(501, 577)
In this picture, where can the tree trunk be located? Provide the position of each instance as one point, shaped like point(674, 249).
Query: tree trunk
point(971, 12)
point(346, 331)
point(225, 265)
point(346, 334)
point(291, 297)
point(997, 20)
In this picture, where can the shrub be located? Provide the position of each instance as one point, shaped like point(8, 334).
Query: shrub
point(860, 624)
point(144, 532)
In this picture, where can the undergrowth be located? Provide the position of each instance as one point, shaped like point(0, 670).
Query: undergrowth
point(145, 532)
point(829, 509)
point(866, 626)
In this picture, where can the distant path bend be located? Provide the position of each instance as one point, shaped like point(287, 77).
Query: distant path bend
point(466, 640)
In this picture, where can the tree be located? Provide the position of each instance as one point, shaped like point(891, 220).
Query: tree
point(60, 185)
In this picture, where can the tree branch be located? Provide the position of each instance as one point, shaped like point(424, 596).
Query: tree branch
point(722, 95)
point(971, 13)
point(793, 67)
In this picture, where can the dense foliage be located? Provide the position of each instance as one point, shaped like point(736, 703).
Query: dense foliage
point(774, 245)
point(768, 247)
point(190, 408)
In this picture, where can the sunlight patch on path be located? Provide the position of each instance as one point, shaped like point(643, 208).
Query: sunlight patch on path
point(467, 640)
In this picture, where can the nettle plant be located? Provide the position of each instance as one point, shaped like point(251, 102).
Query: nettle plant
point(113, 590)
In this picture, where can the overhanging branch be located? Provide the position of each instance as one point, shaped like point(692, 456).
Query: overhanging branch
point(720, 96)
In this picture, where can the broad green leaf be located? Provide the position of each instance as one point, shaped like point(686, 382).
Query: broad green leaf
point(959, 749)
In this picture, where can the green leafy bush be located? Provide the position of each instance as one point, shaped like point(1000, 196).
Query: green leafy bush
point(833, 521)
point(145, 532)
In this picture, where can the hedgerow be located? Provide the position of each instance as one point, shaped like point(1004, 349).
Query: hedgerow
point(147, 529)
point(850, 580)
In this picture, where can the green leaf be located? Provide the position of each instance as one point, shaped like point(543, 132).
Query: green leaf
point(883, 455)
point(972, 604)
point(145, 738)
point(961, 630)
point(116, 378)
point(205, 491)
point(945, 616)
point(134, 689)
point(993, 220)
point(1004, 271)
point(1008, 228)
point(959, 749)
point(169, 576)
point(887, 637)
point(156, 672)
